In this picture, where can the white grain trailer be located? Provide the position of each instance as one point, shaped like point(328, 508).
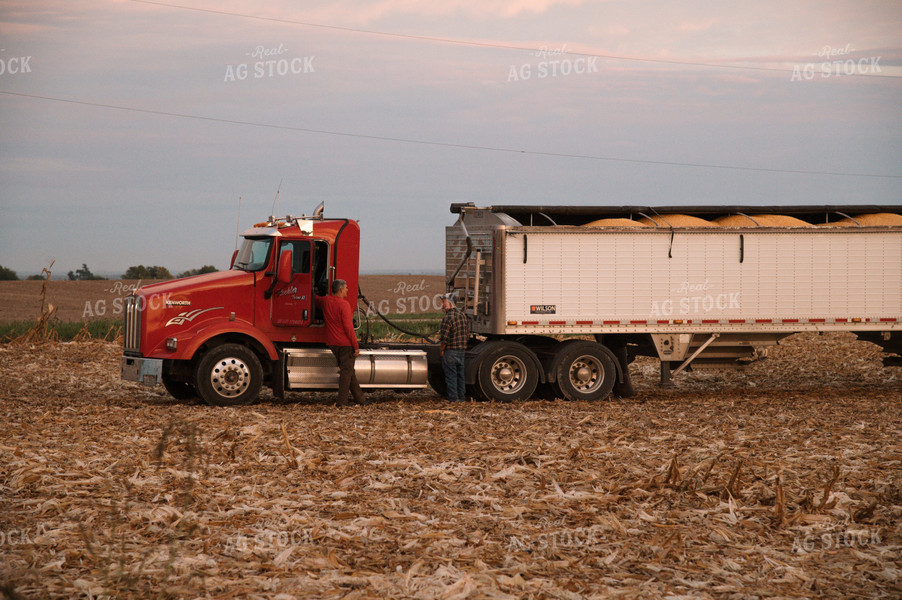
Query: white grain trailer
point(561, 308)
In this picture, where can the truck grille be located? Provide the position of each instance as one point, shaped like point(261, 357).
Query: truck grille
point(132, 330)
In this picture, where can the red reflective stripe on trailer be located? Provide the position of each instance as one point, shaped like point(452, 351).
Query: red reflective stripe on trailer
point(764, 320)
point(584, 322)
point(638, 322)
point(557, 322)
point(530, 322)
point(706, 321)
point(664, 322)
point(790, 320)
point(737, 320)
point(842, 320)
point(888, 320)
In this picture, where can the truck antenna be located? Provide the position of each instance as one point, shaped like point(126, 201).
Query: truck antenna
point(238, 225)
point(276, 199)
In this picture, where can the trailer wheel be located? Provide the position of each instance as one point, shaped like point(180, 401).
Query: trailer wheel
point(229, 374)
point(584, 371)
point(507, 372)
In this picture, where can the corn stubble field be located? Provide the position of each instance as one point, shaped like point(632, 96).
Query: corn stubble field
point(781, 481)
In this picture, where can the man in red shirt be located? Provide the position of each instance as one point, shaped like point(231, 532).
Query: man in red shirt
point(342, 340)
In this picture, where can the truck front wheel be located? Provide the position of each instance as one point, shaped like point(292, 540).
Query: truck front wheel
point(229, 374)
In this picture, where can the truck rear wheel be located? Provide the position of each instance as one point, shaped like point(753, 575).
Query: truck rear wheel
point(436, 378)
point(507, 372)
point(228, 375)
point(584, 371)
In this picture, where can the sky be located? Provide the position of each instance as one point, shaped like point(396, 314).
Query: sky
point(139, 132)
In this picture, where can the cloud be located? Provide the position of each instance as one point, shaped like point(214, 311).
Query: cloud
point(694, 27)
point(349, 12)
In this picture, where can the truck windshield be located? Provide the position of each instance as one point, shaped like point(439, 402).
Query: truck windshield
point(253, 255)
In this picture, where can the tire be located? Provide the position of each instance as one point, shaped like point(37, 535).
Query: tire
point(507, 372)
point(229, 375)
point(435, 375)
point(179, 390)
point(584, 371)
point(177, 387)
point(474, 393)
point(547, 391)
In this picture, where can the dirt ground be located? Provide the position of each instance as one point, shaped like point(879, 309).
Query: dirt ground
point(86, 300)
point(784, 481)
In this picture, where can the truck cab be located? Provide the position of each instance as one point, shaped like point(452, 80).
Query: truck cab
point(222, 336)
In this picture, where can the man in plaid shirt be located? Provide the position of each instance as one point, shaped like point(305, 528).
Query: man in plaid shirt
point(453, 337)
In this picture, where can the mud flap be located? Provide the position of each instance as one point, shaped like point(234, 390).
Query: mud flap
point(278, 377)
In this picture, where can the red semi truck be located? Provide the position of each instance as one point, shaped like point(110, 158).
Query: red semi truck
point(558, 308)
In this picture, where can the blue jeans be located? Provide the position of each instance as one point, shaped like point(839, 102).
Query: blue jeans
point(453, 365)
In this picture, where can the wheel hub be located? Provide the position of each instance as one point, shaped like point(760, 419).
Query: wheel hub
point(230, 377)
point(508, 374)
point(586, 373)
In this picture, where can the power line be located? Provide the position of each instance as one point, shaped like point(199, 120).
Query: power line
point(459, 42)
point(401, 140)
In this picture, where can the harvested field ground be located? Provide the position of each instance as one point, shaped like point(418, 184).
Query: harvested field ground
point(782, 481)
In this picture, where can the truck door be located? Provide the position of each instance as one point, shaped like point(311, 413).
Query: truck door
point(292, 302)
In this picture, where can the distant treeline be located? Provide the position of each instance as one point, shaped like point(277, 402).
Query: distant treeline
point(135, 272)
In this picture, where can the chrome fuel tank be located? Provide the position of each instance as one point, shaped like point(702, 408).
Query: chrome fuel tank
point(316, 369)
